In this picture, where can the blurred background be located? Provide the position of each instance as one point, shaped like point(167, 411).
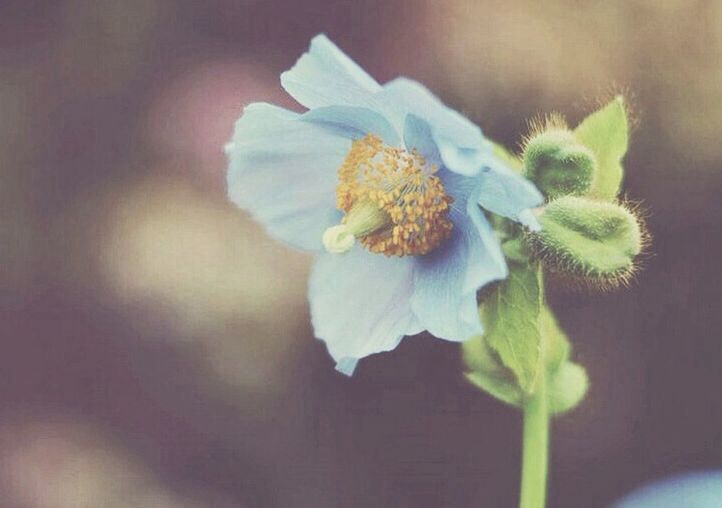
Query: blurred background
point(156, 346)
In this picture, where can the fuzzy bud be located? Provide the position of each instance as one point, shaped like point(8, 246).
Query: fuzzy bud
point(591, 243)
point(559, 164)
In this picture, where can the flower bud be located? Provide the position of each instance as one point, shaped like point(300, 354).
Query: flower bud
point(558, 163)
point(567, 387)
point(591, 243)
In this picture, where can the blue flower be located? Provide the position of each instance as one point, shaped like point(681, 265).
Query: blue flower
point(701, 489)
point(384, 183)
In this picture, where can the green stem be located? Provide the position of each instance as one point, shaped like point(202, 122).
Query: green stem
point(536, 448)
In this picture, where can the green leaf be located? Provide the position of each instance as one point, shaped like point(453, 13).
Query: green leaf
point(511, 321)
point(566, 388)
point(606, 133)
point(485, 371)
point(566, 381)
point(556, 344)
point(502, 389)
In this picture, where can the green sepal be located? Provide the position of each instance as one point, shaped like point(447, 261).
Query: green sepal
point(606, 133)
point(559, 164)
point(510, 316)
point(591, 241)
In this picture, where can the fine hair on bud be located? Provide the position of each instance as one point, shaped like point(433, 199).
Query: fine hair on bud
point(589, 244)
point(559, 164)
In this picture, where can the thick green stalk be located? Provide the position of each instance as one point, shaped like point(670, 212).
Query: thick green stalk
point(536, 447)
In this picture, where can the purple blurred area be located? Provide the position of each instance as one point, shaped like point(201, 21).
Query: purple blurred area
point(157, 350)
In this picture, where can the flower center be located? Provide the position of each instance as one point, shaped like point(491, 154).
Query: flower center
point(393, 202)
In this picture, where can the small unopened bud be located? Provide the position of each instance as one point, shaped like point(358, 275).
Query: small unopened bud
point(559, 164)
point(590, 243)
point(567, 387)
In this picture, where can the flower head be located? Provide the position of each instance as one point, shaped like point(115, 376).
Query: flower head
point(387, 186)
point(391, 200)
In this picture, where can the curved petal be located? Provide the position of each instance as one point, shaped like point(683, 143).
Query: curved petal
point(459, 141)
point(505, 192)
point(325, 76)
point(408, 96)
point(360, 304)
point(283, 171)
point(354, 122)
point(417, 136)
point(447, 279)
point(464, 161)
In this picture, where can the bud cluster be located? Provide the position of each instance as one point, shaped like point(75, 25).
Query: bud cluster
point(589, 237)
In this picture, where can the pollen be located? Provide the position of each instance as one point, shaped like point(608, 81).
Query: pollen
point(404, 188)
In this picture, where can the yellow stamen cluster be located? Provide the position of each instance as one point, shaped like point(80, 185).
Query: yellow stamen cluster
point(401, 185)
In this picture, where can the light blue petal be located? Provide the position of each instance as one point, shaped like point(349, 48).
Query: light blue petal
point(446, 280)
point(459, 142)
point(528, 219)
point(283, 171)
point(464, 161)
point(360, 303)
point(347, 366)
point(694, 490)
point(410, 97)
point(492, 265)
point(354, 122)
point(325, 76)
point(417, 136)
point(466, 191)
point(505, 192)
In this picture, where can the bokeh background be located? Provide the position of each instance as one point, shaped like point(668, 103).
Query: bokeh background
point(156, 346)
